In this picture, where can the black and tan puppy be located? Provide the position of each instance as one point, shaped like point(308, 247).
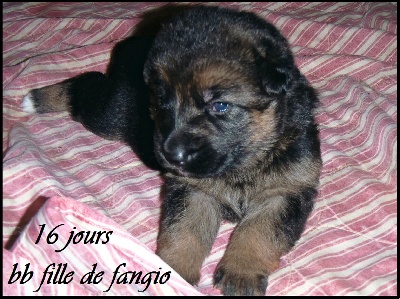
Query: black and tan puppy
point(216, 103)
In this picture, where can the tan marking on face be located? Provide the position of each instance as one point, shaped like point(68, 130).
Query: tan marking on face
point(224, 75)
point(163, 74)
point(263, 128)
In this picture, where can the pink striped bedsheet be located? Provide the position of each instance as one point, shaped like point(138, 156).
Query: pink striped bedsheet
point(59, 180)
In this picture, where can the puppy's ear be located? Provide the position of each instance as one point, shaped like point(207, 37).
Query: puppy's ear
point(276, 79)
point(275, 64)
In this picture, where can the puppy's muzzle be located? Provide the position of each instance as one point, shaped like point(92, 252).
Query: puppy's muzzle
point(180, 151)
point(190, 154)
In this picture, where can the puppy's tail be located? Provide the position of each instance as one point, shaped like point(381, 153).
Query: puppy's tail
point(53, 98)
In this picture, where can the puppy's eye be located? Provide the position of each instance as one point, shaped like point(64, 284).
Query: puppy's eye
point(220, 107)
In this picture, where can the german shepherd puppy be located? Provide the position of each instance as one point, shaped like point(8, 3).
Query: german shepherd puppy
point(215, 102)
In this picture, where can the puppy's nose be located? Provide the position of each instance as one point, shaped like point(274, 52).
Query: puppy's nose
point(177, 155)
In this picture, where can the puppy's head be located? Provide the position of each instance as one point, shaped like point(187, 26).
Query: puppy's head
point(218, 81)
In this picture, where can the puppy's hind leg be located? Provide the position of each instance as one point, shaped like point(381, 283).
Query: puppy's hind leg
point(86, 97)
point(58, 97)
point(111, 104)
point(114, 105)
point(53, 98)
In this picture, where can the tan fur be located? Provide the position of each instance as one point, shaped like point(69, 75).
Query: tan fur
point(207, 75)
point(187, 234)
point(293, 179)
point(55, 98)
point(246, 258)
point(263, 127)
point(186, 264)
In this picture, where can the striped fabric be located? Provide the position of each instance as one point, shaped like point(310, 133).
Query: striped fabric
point(60, 180)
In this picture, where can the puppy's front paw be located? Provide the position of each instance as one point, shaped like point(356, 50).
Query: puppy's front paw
point(182, 255)
point(183, 265)
point(247, 283)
